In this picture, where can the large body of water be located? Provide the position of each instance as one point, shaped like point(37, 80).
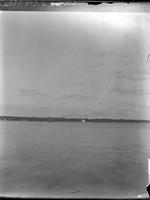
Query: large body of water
point(73, 159)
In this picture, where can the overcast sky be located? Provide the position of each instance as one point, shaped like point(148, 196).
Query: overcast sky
point(75, 64)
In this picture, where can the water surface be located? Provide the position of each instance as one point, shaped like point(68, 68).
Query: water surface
point(73, 159)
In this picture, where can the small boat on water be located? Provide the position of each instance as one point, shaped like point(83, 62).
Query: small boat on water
point(83, 121)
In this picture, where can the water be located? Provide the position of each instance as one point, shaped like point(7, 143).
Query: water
point(73, 159)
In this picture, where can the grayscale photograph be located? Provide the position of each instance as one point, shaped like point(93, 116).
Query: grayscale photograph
point(75, 101)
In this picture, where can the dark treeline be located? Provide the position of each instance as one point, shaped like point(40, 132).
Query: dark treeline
point(62, 119)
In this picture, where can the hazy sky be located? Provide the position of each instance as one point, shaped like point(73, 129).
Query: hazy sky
point(75, 64)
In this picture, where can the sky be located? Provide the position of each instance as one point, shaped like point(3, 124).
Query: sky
point(75, 64)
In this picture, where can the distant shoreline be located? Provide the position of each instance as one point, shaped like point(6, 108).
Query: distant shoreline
point(61, 119)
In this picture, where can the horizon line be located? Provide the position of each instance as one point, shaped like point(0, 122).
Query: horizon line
point(72, 118)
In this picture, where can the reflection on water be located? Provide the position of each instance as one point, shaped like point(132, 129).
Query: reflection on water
point(74, 159)
point(149, 171)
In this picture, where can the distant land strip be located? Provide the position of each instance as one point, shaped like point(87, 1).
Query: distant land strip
point(61, 119)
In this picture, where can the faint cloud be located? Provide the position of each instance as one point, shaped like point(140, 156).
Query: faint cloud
point(80, 83)
point(76, 97)
point(126, 91)
point(30, 92)
point(132, 76)
point(99, 65)
point(127, 104)
point(142, 78)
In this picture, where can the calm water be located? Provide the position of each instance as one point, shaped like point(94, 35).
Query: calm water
point(74, 159)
